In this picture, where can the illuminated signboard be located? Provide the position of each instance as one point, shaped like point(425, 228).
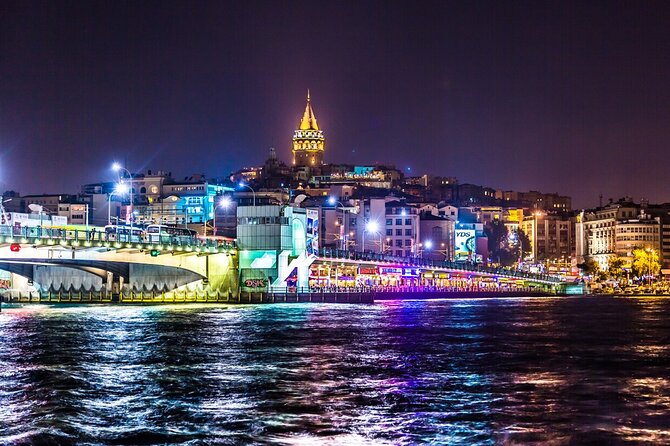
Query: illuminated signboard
point(255, 283)
point(254, 280)
point(312, 231)
point(371, 270)
point(389, 270)
point(464, 244)
point(58, 220)
point(411, 272)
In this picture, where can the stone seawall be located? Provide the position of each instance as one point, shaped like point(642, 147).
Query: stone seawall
point(257, 297)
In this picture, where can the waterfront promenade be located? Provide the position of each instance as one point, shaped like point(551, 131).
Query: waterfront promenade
point(354, 295)
point(89, 266)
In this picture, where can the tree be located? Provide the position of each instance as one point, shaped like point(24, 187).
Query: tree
point(503, 246)
point(645, 262)
point(497, 240)
point(589, 267)
point(615, 268)
point(525, 243)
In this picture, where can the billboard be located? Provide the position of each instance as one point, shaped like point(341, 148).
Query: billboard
point(312, 231)
point(464, 244)
point(57, 220)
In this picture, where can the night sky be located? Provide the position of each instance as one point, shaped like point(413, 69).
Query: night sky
point(553, 96)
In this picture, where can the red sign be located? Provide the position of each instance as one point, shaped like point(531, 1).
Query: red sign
point(371, 270)
point(15, 247)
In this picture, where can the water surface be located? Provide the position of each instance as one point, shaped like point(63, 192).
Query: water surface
point(515, 371)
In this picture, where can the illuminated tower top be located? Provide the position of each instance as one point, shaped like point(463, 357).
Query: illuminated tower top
point(308, 121)
point(308, 140)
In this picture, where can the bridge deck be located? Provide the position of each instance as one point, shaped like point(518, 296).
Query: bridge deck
point(387, 260)
point(92, 238)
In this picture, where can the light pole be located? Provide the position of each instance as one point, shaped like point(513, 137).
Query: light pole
point(119, 190)
point(224, 203)
point(428, 245)
point(116, 167)
point(343, 239)
point(444, 251)
point(373, 228)
point(534, 243)
point(650, 254)
point(253, 192)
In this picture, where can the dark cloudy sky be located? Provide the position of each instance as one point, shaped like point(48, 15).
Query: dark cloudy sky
point(572, 97)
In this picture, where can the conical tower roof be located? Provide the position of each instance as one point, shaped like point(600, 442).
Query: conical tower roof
point(308, 121)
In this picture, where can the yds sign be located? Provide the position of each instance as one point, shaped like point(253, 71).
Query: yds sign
point(464, 244)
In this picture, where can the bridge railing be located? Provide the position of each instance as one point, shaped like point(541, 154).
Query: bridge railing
point(93, 235)
point(428, 263)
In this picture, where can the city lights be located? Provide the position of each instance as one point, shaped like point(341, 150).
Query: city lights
point(225, 202)
point(471, 245)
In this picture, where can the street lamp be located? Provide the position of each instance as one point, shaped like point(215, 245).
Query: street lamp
point(373, 228)
point(116, 167)
point(224, 203)
point(121, 189)
point(343, 235)
point(253, 192)
point(428, 245)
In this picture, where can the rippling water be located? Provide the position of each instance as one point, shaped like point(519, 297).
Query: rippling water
point(514, 371)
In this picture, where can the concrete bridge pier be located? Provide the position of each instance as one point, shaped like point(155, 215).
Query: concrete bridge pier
point(109, 283)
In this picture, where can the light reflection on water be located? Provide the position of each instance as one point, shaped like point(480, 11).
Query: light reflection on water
point(579, 370)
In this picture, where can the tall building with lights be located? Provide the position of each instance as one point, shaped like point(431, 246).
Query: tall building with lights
point(308, 140)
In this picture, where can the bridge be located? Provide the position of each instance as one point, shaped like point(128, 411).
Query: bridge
point(78, 265)
point(94, 265)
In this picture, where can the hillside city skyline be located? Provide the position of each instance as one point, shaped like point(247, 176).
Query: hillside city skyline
point(407, 171)
point(552, 97)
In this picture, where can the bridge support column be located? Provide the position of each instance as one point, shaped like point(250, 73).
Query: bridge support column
point(114, 285)
point(109, 284)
